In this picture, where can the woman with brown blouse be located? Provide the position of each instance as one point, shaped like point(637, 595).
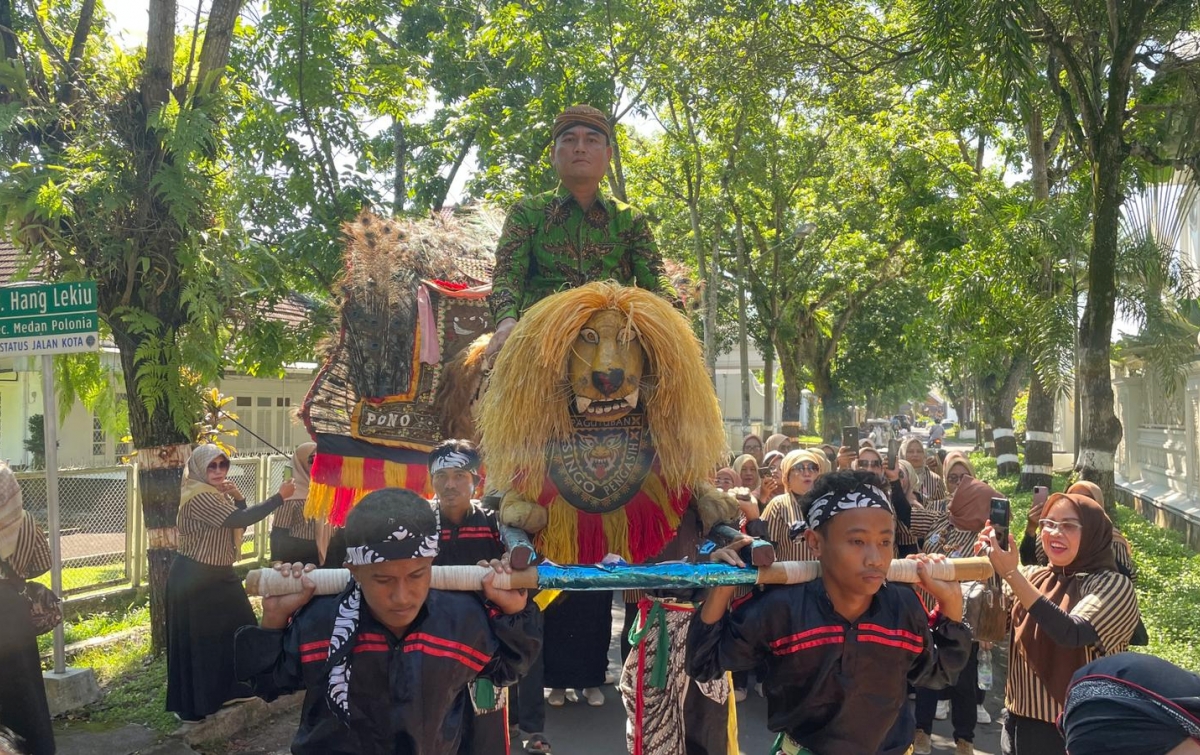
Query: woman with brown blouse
point(1066, 615)
point(206, 603)
point(24, 554)
point(293, 537)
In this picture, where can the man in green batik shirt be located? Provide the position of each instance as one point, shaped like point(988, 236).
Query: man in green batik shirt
point(572, 235)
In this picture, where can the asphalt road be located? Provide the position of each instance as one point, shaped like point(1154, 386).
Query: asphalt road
point(579, 729)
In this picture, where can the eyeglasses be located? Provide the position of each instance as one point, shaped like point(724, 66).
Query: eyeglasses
point(216, 466)
point(955, 478)
point(807, 467)
point(1066, 528)
point(872, 464)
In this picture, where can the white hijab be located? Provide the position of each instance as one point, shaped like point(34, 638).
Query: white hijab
point(195, 477)
point(12, 512)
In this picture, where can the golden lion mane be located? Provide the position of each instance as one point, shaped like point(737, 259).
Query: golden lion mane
point(526, 404)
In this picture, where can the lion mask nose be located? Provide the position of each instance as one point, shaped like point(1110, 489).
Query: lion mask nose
point(609, 382)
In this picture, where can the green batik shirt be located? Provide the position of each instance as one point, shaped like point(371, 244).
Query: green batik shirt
point(550, 244)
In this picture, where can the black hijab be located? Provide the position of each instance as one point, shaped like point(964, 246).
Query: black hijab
point(1130, 704)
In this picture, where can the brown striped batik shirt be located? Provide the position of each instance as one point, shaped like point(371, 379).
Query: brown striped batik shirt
point(202, 536)
point(780, 514)
point(932, 487)
point(1109, 605)
point(290, 517)
point(32, 556)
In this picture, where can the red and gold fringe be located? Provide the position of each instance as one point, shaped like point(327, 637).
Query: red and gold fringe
point(637, 531)
point(340, 482)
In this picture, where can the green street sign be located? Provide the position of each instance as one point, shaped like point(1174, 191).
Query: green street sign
point(48, 318)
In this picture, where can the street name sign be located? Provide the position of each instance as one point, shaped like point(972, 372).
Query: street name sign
point(48, 318)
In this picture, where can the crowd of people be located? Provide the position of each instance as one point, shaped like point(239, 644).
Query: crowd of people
point(849, 663)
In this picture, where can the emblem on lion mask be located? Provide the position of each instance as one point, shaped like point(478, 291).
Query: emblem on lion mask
point(600, 425)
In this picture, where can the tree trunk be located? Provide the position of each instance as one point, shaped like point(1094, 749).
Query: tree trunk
point(789, 366)
point(739, 240)
point(218, 36)
point(768, 393)
point(1039, 420)
point(1039, 438)
point(1001, 399)
point(400, 161)
point(1101, 430)
point(711, 302)
point(160, 54)
point(833, 407)
point(161, 455)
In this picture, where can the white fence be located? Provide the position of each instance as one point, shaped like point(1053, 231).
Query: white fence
point(1160, 432)
point(103, 535)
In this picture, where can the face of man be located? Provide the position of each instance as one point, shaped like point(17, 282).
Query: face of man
point(395, 590)
point(855, 549)
point(453, 487)
point(581, 154)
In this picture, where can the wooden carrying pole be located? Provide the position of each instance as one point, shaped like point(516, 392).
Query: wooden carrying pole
point(268, 582)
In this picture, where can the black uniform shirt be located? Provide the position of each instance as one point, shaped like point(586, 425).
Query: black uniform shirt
point(833, 685)
point(408, 695)
point(475, 539)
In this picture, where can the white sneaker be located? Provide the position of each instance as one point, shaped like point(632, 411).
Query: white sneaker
point(943, 710)
point(572, 696)
point(594, 696)
point(556, 697)
point(609, 677)
point(982, 716)
point(739, 694)
point(759, 689)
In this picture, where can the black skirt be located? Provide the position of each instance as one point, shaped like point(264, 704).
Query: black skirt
point(205, 607)
point(23, 707)
point(578, 628)
point(290, 549)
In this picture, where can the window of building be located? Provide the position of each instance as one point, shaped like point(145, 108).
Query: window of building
point(99, 438)
point(244, 401)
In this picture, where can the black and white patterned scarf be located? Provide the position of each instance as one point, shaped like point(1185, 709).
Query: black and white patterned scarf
point(400, 545)
point(865, 496)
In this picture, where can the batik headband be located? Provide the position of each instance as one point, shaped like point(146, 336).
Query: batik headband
point(828, 506)
point(453, 458)
point(401, 544)
point(398, 546)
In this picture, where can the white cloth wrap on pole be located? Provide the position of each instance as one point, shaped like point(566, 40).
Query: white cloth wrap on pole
point(1002, 432)
point(1034, 436)
point(268, 582)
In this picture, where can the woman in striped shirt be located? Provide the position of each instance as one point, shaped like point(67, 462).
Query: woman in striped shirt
point(799, 470)
point(953, 533)
point(1067, 614)
point(24, 554)
point(930, 484)
point(293, 537)
point(206, 603)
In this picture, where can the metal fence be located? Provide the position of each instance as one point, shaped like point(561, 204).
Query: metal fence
point(103, 535)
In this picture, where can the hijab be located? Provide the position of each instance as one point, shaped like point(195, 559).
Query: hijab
point(957, 457)
point(971, 504)
point(1130, 704)
point(774, 443)
point(12, 512)
point(302, 461)
point(1089, 489)
point(195, 476)
point(908, 475)
point(750, 437)
point(1061, 586)
point(740, 462)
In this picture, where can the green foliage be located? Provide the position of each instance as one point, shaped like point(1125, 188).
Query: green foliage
point(35, 443)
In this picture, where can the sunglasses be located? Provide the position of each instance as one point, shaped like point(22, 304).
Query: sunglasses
point(1053, 527)
point(871, 464)
point(217, 466)
point(806, 467)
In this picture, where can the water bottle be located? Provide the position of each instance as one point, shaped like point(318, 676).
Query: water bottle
point(985, 669)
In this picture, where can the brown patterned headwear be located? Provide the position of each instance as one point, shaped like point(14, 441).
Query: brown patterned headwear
point(582, 115)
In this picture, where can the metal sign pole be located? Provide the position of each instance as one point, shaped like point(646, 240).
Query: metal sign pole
point(50, 423)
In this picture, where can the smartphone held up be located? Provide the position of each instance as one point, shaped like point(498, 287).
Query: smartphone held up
point(999, 516)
